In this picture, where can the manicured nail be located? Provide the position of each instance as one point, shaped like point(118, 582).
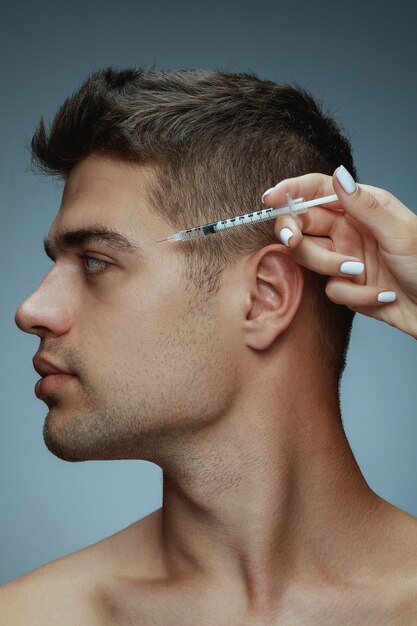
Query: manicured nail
point(387, 296)
point(267, 192)
point(285, 235)
point(345, 179)
point(352, 267)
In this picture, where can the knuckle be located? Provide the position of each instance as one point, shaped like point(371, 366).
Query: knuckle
point(388, 199)
point(321, 186)
point(372, 203)
point(286, 184)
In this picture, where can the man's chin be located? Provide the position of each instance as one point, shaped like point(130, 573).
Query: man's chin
point(78, 431)
point(68, 440)
point(61, 438)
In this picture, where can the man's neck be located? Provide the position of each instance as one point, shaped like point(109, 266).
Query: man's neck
point(268, 497)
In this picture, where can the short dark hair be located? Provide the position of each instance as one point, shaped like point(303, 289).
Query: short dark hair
point(217, 140)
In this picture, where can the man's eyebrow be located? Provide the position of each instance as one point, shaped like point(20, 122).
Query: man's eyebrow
point(90, 234)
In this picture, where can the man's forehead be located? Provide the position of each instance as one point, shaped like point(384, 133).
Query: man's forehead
point(110, 194)
point(109, 182)
point(103, 166)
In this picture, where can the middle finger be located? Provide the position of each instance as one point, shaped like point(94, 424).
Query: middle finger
point(324, 222)
point(318, 257)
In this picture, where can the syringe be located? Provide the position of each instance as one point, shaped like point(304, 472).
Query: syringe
point(292, 207)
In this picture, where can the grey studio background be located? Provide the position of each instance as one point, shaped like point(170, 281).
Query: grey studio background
point(359, 59)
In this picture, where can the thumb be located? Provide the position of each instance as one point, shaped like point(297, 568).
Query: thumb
point(376, 209)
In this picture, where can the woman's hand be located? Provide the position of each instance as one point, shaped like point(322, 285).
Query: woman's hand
point(367, 225)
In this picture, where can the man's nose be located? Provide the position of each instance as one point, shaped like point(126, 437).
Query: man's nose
point(44, 312)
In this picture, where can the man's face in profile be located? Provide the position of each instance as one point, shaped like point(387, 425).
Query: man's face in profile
point(149, 365)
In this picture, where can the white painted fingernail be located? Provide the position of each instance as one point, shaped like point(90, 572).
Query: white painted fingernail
point(267, 192)
point(387, 296)
point(352, 267)
point(285, 235)
point(345, 179)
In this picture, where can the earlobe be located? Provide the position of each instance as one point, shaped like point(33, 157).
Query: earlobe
point(274, 291)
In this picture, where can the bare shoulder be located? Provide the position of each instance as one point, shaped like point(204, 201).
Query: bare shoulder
point(67, 591)
point(47, 596)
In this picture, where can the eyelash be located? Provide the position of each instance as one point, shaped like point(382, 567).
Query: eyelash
point(100, 271)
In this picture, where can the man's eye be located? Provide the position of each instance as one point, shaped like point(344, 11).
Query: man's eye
point(97, 267)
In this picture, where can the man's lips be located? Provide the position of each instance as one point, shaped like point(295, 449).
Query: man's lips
point(45, 368)
point(53, 377)
point(51, 383)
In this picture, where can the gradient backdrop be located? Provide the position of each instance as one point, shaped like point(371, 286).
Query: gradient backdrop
point(358, 58)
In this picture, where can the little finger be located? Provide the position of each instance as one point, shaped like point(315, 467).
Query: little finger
point(355, 296)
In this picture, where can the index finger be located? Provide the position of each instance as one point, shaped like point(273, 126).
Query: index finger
point(307, 186)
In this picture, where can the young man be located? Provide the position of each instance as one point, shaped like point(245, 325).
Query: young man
point(217, 359)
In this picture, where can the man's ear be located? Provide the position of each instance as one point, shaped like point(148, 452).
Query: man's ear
point(274, 289)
